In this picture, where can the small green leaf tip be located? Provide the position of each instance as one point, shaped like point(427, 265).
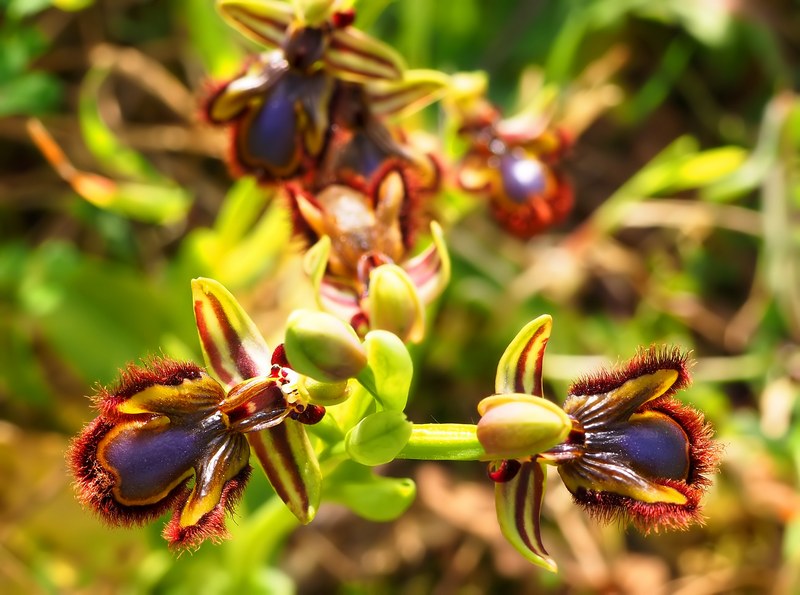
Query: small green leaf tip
point(514, 426)
point(378, 438)
point(323, 347)
point(389, 370)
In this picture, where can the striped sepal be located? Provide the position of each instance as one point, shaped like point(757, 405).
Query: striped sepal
point(413, 92)
point(520, 368)
point(263, 21)
point(519, 508)
point(287, 458)
point(357, 57)
point(233, 348)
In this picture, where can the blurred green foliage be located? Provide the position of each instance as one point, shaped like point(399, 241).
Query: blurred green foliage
point(685, 231)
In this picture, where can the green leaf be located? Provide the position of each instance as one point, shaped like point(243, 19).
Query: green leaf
point(150, 203)
point(389, 370)
point(378, 438)
point(370, 496)
point(102, 141)
point(30, 93)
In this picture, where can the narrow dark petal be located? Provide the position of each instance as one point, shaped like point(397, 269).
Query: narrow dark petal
point(212, 524)
point(255, 403)
point(503, 471)
point(279, 357)
point(309, 414)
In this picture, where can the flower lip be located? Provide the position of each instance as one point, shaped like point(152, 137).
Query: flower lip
point(159, 427)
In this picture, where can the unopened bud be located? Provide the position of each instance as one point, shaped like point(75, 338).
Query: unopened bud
point(323, 347)
point(516, 425)
point(394, 304)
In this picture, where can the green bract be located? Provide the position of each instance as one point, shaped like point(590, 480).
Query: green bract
point(389, 370)
point(378, 438)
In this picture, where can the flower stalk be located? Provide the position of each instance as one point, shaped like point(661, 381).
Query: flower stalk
point(443, 442)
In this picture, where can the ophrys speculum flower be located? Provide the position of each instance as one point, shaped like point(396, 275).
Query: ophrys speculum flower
point(624, 447)
point(289, 104)
point(167, 422)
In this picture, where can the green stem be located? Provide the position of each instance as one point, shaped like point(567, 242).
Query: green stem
point(443, 442)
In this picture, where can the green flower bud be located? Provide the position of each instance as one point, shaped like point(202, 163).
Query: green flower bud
point(394, 305)
point(323, 347)
point(516, 425)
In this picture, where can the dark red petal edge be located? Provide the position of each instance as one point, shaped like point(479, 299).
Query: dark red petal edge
point(212, 524)
point(94, 483)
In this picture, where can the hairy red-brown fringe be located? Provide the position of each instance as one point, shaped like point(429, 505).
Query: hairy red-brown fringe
point(135, 378)
point(645, 361)
point(212, 524)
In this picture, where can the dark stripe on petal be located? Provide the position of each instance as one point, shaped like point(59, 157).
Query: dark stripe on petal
point(245, 365)
point(209, 346)
point(532, 369)
point(291, 466)
point(272, 449)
